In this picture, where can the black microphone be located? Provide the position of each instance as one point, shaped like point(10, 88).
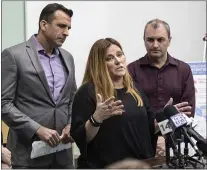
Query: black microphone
point(166, 131)
point(196, 135)
point(202, 146)
point(201, 142)
point(163, 123)
point(178, 122)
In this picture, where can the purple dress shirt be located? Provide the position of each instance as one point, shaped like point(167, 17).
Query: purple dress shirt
point(174, 80)
point(55, 71)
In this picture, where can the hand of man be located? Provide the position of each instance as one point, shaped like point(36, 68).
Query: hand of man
point(181, 107)
point(51, 137)
point(160, 150)
point(65, 137)
point(5, 166)
point(184, 108)
point(5, 156)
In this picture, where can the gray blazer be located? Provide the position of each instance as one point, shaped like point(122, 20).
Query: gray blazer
point(27, 103)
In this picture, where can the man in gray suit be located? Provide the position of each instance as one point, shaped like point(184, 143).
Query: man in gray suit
point(38, 86)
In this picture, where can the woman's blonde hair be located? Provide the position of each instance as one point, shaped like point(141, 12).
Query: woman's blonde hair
point(97, 72)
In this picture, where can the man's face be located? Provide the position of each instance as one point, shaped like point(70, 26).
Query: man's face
point(156, 41)
point(57, 30)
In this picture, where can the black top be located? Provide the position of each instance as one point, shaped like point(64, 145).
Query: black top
point(128, 135)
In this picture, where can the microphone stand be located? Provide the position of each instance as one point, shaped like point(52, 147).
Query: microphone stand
point(167, 151)
point(190, 162)
point(186, 151)
point(179, 152)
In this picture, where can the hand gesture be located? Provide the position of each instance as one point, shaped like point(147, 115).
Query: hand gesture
point(181, 107)
point(108, 108)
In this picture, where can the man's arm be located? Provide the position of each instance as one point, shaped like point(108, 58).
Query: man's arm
point(73, 92)
point(188, 93)
point(65, 136)
point(13, 117)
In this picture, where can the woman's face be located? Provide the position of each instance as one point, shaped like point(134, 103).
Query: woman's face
point(116, 62)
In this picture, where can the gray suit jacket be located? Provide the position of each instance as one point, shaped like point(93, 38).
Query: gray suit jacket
point(27, 103)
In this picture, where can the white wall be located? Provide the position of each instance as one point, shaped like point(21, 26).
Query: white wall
point(12, 32)
point(125, 22)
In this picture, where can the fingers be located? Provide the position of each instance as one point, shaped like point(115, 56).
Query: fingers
point(56, 138)
point(112, 105)
point(186, 108)
point(117, 108)
point(6, 156)
point(160, 150)
point(50, 142)
point(170, 102)
point(179, 105)
point(108, 108)
point(117, 112)
point(109, 100)
point(118, 102)
point(8, 161)
point(53, 138)
point(67, 138)
point(67, 129)
point(99, 98)
point(160, 153)
point(5, 166)
point(187, 113)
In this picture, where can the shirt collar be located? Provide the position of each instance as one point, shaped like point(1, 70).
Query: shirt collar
point(145, 60)
point(40, 48)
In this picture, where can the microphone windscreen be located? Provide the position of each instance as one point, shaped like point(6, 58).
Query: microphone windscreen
point(170, 111)
point(159, 116)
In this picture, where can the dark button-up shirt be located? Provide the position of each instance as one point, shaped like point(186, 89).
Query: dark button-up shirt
point(174, 79)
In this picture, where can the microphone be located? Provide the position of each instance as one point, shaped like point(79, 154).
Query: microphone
point(166, 130)
point(195, 135)
point(178, 121)
point(201, 142)
point(202, 146)
point(163, 123)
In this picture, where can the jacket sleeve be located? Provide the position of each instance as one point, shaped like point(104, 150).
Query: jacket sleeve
point(14, 118)
point(73, 91)
point(84, 106)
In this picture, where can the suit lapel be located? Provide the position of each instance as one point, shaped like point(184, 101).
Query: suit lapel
point(32, 53)
point(68, 70)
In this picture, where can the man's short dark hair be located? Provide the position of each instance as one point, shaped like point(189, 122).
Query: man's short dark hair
point(49, 11)
point(155, 24)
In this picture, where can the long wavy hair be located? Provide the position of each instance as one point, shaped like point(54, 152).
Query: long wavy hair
point(97, 72)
